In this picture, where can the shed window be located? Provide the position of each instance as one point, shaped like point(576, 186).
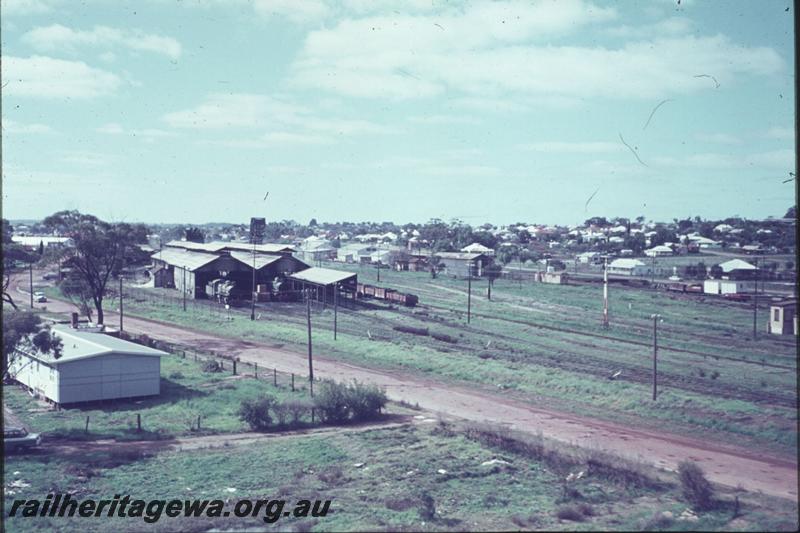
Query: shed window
point(777, 316)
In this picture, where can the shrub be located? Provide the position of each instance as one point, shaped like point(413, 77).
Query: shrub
point(332, 402)
point(570, 512)
point(658, 521)
point(281, 411)
point(297, 409)
point(696, 488)
point(365, 401)
point(257, 412)
point(339, 402)
point(176, 375)
point(212, 365)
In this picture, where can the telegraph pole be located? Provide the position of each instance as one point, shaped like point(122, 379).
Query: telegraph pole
point(469, 291)
point(120, 303)
point(755, 305)
point(183, 277)
point(655, 355)
point(605, 293)
point(30, 276)
point(253, 296)
point(310, 363)
point(335, 307)
point(379, 273)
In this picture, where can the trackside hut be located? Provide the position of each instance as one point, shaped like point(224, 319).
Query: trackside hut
point(92, 367)
point(322, 282)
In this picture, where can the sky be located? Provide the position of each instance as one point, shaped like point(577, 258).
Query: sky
point(193, 110)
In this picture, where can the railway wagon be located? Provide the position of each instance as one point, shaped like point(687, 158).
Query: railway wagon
point(390, 295)
point(380, 293)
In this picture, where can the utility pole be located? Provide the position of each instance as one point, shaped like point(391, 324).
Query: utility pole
point(253, 294)
point(656, 318)
point(605, 293)
point(120, 304)
point(653, 272)
point(335, 307)
point(489, 288)
point(183, 277)
point(30, 276)
point(379, 273)
point(469, 291)
point(755, 305)
point(310, 363)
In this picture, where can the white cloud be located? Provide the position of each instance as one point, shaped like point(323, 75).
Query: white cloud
point(782, 134)
point(443, 119)
point(298, 11)
point(573, 147)
point(234, 110)
point(11, 126)
point(774, 159)
point(57, 37)
point(146, 134)
point(46, 77)
point(26, 7)
point(270, 139)
point(472, 171)
point(668, 27)
point(483, 50)
point(85, 158)
point(720, 138)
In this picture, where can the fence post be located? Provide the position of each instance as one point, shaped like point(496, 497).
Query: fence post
point(234, 367)
point(198, 422)
point(138, 422)
point(292, 381)
point(275, 376)
point(86, 429)
point(312, 415)
point(256, 369)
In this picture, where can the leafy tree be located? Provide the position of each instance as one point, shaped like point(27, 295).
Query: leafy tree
point(101, 249)
point(13, 254)
point(23, 330)
point(791, 212)
point(635, 242)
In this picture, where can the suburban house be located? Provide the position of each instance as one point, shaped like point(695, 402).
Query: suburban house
point(737, 269)
point(659, 251)
point(783, 317)
point(628, 267)
point(477, 248)
point(93, 366)
point(461, 264)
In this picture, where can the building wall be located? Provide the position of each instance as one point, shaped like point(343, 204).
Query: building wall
point(39, 376)
point(783, 320)
point(109, 377)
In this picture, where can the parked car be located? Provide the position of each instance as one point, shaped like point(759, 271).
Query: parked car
point(15, 438)
point(39, 296)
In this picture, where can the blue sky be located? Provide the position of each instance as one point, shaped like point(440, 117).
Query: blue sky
point(190, 111)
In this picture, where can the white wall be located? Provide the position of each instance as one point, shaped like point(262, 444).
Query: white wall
point(39, 376)
point(108, 377)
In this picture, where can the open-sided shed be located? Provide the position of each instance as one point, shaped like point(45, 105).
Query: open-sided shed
point(323, 282)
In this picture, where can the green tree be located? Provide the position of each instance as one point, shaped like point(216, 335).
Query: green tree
point(23, 330)
point(101, 249)
point(13, 255)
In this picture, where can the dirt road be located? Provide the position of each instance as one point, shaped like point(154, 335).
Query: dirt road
point(726, 464)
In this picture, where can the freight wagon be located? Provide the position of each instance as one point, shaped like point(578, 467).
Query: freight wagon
point(389, 295)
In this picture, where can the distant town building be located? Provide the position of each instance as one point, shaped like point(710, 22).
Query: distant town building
point(628, 267)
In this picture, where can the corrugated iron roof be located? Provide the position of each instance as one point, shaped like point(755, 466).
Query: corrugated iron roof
point(78, 344)
point(322, 276)
point(218, 246)
point(184, 258)
point(458, 255)
point(261, 260)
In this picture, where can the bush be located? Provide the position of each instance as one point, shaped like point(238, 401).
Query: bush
point(365, 401)
point(332, 402)
point(696, 488)
point(297, 409)
point(281, 412)
point(570, 512)
point(338, 402)
point(212, 365)
point(176, 375)
point(257, 412)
